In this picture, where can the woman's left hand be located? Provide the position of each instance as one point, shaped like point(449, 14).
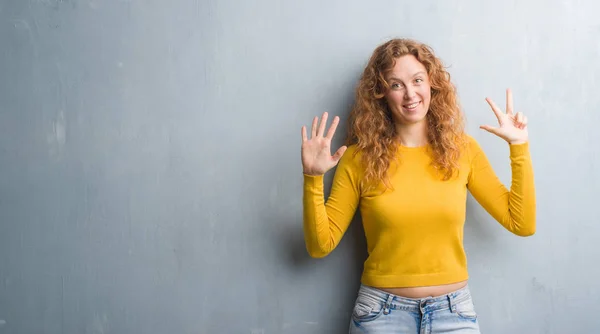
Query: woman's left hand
point(512, 127)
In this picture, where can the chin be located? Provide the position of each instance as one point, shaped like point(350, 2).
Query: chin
point(413, 119)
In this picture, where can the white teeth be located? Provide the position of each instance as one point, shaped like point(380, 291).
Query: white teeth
point(410, 106)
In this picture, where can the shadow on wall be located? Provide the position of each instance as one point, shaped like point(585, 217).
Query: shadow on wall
point(477, 224)
point(344, 265)
point(293, 248)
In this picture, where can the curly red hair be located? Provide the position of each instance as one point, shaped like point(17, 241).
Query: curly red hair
point(371, 127)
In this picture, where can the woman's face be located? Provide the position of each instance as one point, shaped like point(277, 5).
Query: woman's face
point(410, 91)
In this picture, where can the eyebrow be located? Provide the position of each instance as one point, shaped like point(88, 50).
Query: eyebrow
point(414, 75)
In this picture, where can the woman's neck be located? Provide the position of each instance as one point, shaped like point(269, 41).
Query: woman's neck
point(412, 135)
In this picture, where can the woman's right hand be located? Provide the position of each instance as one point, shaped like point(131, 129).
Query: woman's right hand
point(316, 151)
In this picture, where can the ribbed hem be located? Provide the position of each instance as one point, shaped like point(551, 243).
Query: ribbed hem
point(397, 281)
point(312, 179)
point(519, 149)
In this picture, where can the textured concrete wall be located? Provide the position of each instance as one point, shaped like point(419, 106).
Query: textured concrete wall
point(150, 175)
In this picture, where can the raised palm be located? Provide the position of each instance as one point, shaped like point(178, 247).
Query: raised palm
point(511, 127)
point(316, 151)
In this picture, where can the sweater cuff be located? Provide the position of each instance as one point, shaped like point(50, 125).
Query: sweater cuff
point(313, 180)
point(519, 149)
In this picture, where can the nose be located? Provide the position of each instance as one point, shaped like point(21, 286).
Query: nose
point(409, 92)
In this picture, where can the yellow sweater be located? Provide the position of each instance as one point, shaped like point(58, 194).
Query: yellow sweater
point(415, 233)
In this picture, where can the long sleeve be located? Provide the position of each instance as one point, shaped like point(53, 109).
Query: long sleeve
point(515, 209)
point(326, 221)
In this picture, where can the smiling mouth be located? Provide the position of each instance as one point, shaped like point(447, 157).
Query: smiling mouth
point(411, 106)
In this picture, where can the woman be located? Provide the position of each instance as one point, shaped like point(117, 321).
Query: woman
point(407, 164)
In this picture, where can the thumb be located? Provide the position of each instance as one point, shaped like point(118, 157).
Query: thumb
point(339, 153)
point(489, 129)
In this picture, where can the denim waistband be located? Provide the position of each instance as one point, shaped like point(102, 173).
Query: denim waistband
point(447, 301)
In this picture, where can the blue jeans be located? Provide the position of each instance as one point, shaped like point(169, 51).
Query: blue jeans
point(377, 311)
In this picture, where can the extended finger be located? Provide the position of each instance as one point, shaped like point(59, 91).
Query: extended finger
point(339, 153)
point(489, 129)
point(334, 124)
point(314, 127)
point(509, 102)
point(304, 138)
point(495, 109)
point(322, 125)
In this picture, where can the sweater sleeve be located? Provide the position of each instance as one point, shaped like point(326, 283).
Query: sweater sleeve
point(326, 221)
point(515, 209)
